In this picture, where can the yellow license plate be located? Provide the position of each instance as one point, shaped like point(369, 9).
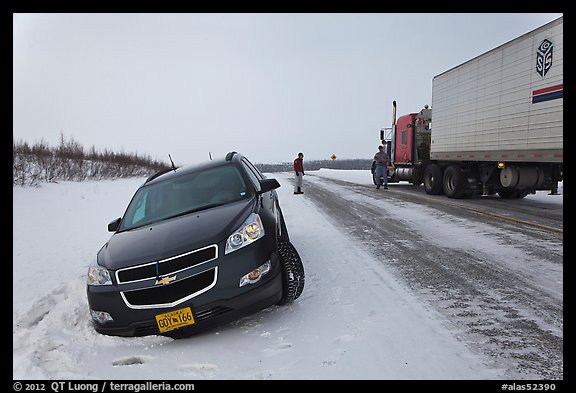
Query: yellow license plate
point(174, 319)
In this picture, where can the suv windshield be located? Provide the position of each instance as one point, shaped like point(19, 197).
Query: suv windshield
point(185, 194)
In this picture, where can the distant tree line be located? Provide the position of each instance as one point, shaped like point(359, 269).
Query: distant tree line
point(317, 164)
point(40, 163)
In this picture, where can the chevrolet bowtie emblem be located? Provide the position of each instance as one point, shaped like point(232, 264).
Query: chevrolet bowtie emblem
point(164, 280)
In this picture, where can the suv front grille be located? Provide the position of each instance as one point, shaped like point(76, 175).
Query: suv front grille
point(167, 266)
point(211, 313)
point(171, 294)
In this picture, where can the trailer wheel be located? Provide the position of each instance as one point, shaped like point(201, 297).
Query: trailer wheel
point(433, 179)
point(453, 182)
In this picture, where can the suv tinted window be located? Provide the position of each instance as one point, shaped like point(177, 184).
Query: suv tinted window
point(185, 194)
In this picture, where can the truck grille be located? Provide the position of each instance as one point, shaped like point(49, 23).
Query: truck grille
point(167, 266)
point(172, 294)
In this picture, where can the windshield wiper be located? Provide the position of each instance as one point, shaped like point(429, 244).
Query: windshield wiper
point(196, 209)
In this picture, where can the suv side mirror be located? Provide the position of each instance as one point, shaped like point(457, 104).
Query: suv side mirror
point(268, 185)
point(113, 226)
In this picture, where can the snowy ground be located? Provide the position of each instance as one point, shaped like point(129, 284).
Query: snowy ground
point(353, 320)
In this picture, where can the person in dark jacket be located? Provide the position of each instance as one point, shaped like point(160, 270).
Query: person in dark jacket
point(299, 171)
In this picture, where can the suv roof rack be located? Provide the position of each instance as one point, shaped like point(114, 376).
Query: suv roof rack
point(230, 155)
point(154, 176)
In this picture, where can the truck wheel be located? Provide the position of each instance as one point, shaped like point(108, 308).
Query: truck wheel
point(433, 179)
point(373, 171)
point(512, 194)
point(416, 180)
point(453, 182)
point(292, 272)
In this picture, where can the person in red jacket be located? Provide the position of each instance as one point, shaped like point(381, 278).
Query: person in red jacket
point(299, 170)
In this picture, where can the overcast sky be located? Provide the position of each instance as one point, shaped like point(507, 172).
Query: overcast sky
point(266, 85)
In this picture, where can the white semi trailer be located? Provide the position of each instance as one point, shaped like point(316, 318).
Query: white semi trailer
point(495, 126)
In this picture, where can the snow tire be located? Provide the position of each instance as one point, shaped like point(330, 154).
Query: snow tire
point(292, 272)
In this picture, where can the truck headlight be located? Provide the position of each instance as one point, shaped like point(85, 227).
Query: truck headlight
point(250, 231)
point(97, 275)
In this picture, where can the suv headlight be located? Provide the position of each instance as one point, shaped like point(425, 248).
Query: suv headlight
point(250, 231)
point(97, 275)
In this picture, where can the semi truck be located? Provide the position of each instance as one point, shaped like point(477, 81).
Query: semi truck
point(495, 125)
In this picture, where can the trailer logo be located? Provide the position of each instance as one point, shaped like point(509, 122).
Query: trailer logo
point(544, 57)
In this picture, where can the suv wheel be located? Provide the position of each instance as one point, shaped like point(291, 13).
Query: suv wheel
point(292, 272)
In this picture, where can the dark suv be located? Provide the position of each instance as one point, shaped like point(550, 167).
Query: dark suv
point(197, 246)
